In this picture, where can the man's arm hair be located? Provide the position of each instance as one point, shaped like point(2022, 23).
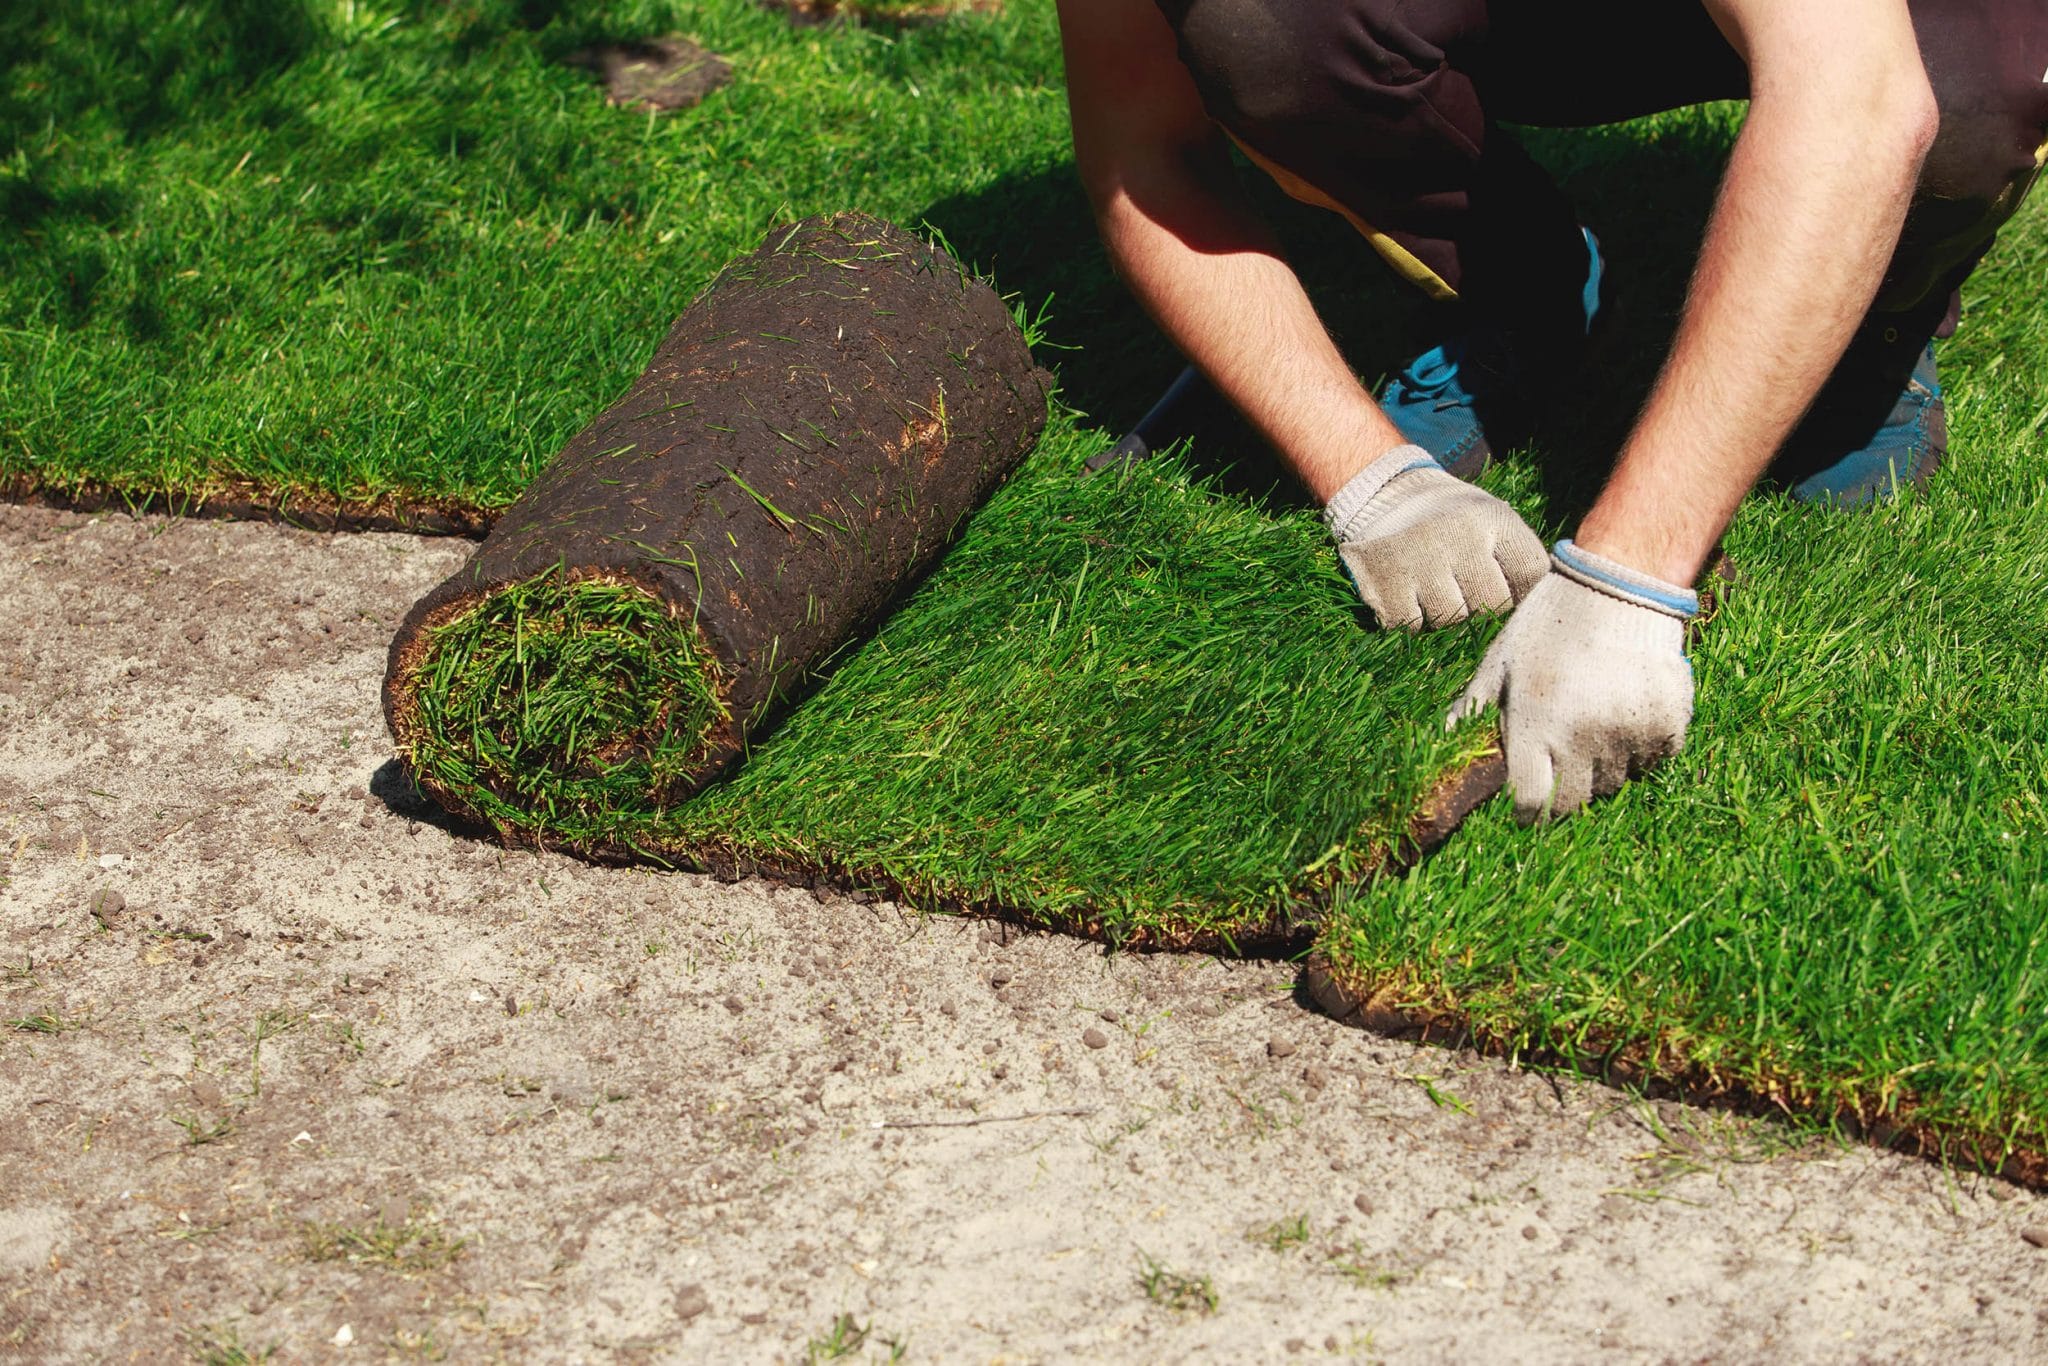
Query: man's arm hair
point(1809, 213)
point(1181, 233)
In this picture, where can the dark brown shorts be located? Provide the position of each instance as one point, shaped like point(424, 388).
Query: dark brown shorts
point(1389, 112)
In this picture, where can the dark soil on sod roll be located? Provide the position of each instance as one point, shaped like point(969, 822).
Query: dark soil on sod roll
point(802, 445)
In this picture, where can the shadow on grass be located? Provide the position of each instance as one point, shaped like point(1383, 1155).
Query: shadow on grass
point(143, 68)
point(1644, 188)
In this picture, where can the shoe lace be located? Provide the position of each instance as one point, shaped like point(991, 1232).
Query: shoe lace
point(1437, 375)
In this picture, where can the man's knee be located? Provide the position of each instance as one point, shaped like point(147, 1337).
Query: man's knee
point(1985, 60)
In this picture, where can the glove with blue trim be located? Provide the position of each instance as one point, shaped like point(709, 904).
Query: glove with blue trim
point(1427, 549)
point(1592, 682)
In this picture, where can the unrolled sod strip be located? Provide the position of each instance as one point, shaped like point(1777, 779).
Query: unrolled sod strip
point(806, 440)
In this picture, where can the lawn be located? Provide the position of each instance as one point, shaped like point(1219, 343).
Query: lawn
point(387, 259)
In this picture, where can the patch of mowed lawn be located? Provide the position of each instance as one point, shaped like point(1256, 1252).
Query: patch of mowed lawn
point(350, 252)
point(1835, 900)
point(361, 251)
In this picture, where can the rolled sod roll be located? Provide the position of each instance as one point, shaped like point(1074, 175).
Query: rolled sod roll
point(806, 440)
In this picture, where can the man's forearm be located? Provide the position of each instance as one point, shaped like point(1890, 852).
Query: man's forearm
point(1210, 274)
point(1809, 212)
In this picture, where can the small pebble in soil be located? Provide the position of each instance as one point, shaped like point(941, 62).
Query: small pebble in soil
point(1362, 1203)
point(1095, 1038)
point(105, 904)
point(1529, 1232)
point(1109, 1017)
point(988, 1049)
point(355, 793)
point(1277, 1047)
point(1002, 977)
point(511, 1005)
point(2035, 1235)
point(948, 1009)
point(1314, 1077)
point(574, 1088)
point(691, 1301)
point(735, 1005)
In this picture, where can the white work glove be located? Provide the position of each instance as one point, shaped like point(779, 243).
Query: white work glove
point(1592, 682)
point(1426, 549)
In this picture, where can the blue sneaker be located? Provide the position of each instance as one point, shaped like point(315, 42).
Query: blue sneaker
point(1852, 451)
point(1475, 393)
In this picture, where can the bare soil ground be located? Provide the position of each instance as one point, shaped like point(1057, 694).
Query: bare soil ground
point(287, 1062)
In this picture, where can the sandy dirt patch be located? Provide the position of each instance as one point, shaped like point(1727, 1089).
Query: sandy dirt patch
point(289, 1062)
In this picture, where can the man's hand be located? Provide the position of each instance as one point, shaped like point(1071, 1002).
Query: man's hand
point(1426, 549)
point(1591, 679)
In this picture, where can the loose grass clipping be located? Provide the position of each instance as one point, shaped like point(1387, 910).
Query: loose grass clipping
point(806, 440)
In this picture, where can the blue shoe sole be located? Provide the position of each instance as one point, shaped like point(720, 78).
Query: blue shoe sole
point(1904, 451)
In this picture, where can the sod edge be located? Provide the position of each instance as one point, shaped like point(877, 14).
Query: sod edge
point(246, 500)
point(1402, 1005)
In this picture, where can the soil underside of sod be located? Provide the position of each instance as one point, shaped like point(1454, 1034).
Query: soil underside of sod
point(1831, 901)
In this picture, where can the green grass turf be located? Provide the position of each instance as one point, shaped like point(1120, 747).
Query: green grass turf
point(555, 698)
point(1117, 704)
point(371, 252)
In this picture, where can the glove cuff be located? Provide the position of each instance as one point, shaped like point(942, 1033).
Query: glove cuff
point(1351, 500)
point(1617, 580)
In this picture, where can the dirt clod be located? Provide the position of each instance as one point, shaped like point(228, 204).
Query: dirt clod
point(1002, 977)
point(1109, 1017)
point(662, 74)
point(105, 904)
point(1277, 1047)
point(691, 1301)
point(2035, 1235)
point(1362, 1203)
point(1095, 1038)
